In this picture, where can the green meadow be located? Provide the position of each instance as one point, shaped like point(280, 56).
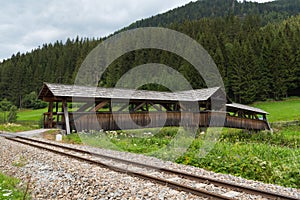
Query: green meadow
point(286, 110)
point(270, 157)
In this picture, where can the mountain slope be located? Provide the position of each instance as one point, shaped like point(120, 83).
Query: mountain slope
point(270, 12)
point(257, 61)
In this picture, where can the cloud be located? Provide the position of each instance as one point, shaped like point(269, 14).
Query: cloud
point(29, 24)
point(25, 25)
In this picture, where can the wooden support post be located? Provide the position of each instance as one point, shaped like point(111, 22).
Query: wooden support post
point(56, 111)
point(176, 107)
point(264, 117)
point(56, 107)
point(50, 117)
point(206, 106)
point(66, 116)
point(110, 108)
point(268, 124)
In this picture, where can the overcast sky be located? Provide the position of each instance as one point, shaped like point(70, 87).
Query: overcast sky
point(27, 24)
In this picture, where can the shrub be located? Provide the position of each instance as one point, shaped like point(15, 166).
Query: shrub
point(31, 101)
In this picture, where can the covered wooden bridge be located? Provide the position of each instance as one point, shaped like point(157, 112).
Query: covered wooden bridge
point(91, 108)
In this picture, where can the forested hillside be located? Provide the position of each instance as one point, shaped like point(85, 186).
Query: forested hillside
point(269, 12)
point(255, 46)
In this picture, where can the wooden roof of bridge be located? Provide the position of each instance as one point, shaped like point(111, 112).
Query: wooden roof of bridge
point(237, 106)
point(57, 92)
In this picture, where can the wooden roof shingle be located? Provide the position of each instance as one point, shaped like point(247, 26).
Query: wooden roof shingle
point(237, 106)
point(59, 91)
point(75, 91)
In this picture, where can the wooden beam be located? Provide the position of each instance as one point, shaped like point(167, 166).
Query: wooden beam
point(85, 106)
point(176, 107)
point(155, 106)
point(100, 105)
point(66, 115)
point(182, 107)
point(123, 107)
point(167, 107)
point(50, 117)
point(139, 106)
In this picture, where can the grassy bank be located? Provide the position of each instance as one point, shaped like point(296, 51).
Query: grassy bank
point(267, 157)
point(9, 188)
point(13, 128)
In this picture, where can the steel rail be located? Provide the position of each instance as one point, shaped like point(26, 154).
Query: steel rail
point(203, 179)
point(171, 184)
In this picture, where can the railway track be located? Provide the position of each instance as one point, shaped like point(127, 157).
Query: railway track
point(174, 179)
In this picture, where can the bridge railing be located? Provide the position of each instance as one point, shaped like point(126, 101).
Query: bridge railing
point(115, 121)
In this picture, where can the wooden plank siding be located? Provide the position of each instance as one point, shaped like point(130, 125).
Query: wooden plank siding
point(114, 121)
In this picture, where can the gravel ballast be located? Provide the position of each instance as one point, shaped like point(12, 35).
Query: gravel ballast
point(56, 177)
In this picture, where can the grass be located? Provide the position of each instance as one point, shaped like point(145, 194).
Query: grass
point(282, 137)
point(27, 120)
point(264, 156)
point(31, 115)
point(9, 188)
point(256, 161)
point(268, 157)
point(287, 110)
point(72, 139)
point(13, 128)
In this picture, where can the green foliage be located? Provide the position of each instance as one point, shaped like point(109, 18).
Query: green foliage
point(270, 12)
point(270, 164)
point(30, 101)
point(5, 106)
point(271, 158)
point(283, 137)
point(17, 127)
point(264, 156)
point(255, 47)
point(72, 139)
point(137, 141)
point(56, 63)
point(12, 115)
point(9, 188)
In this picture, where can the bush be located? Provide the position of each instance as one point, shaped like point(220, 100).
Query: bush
point(5, 106)
point(31, 101)
point(12, 115)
